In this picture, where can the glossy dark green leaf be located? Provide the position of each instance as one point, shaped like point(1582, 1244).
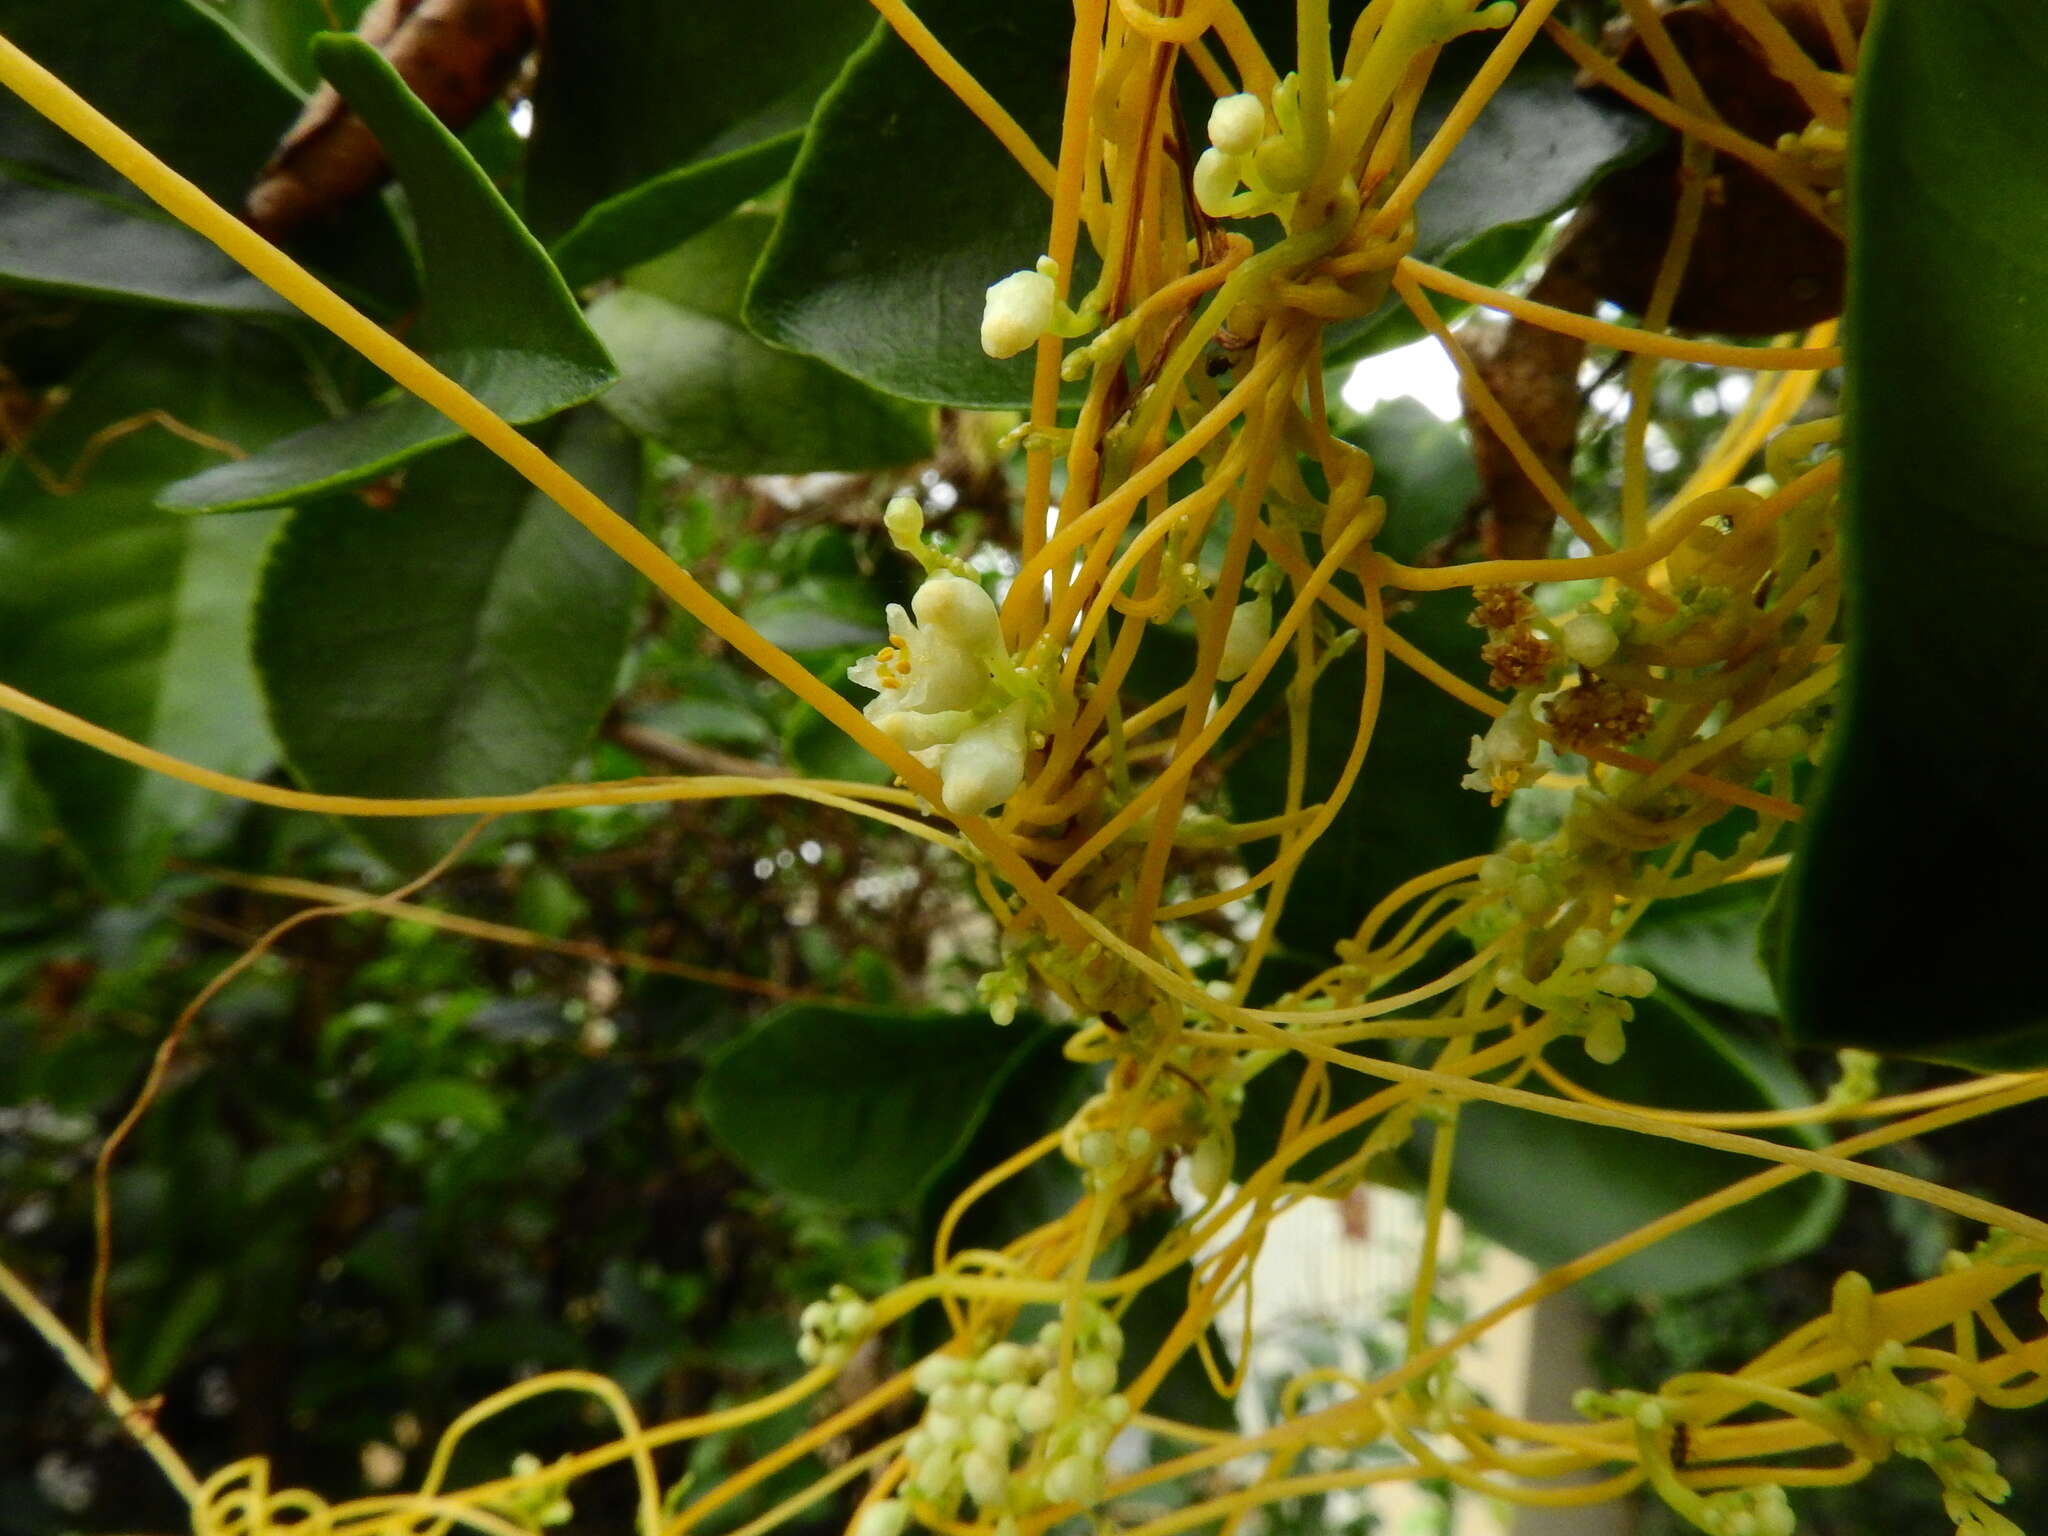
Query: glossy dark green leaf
point(903, 209)
point(636, 91)
point(1185, 1393)
point(68, 238)
point(1535, 151)
point(1912, 916)
point(859, 1107)
point(462, 641)
point(694, 378)
point(1552, 1189)
point(136, 620)
point(642, 222)
point(283, 30)
point(497, 319)
point(184, 82)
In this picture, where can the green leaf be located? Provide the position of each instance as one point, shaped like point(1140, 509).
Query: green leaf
point(694, 378)
point(903, 209)
point(641, 92)
point(431, 1100)
point(1552, 1189)
point(462, 641)
point(1912, 919)
point(135, 620)
point(147, 64)
point(498, 319)
point(641, 223)
point(1708, 945)
point(858, 1107)
point(67, 238)
point(1535, 151)
point(283, 30)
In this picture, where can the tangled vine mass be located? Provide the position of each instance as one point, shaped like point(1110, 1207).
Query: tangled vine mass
point(1660, 690)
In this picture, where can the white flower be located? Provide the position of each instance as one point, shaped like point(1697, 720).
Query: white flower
point(1017, 311)
point(935, 683)
point(1237, 123)
point(1502, 758)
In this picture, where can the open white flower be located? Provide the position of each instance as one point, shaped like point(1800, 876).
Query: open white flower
point(1505, 756)
point(937, 694)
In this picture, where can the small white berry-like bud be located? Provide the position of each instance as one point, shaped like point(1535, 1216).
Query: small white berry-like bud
point(1531, 895)
point(1237, 123)
point(991, 1434)
point(1215, 182)
point(1049, 1335)
point(987, 1479)
point(904, 519)
point(1096, 1149)
point(945, 1429)
point(1109, 1338)
point(1627, 980)
point(1115, 1409)
point(1586, 947)
point(1251, 626)
point(1002, 1362)
point(1137, 1142)
point(1095, 1375)
point(889, 1517)
point(1004, 1400)
point(854, 1317)
point(1036, 1411)
point(1497, 872)
point(973, 1397)
point(1590, 640)
point(1071, 1481)
point(814, 1317)
point(1605, 1041)
point(1016, 312)
point(1209, 1167)
point(810, 1349)
point(938, 1371)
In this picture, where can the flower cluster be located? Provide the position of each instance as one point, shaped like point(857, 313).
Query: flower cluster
point(832, 1327)
point(1020, 308)
point(1005, 1431)
point(1585, 993)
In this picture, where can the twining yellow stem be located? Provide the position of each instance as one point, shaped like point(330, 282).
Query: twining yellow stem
point(972, 93)
point(1623, 338)
point(136, 1421)
point(185, 202)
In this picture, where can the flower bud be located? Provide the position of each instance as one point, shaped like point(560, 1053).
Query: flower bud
point(1251, 626)
point(1016, 312)
point(1590, 640)
point(889, 1517)
point(1237, 123)
point(986, 765)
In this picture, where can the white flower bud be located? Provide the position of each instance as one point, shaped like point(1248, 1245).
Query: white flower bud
point(945, 1429)
point(1627, 980)
point(854, 1317)
point(1137, 1142)
point(814, 1317)
point(961, 612)
point(1237, 123)
point(987, 1479)
point(1004, 1400)
point(904, 519)
point(1215, 182)
point(1002, 1362)
point(1095, 1375)
point(1109, 1338)
point(938, 1371)
point(986, 765)
point(1251, 626)
point(1209, 1167)
point(1036, 1411)
point(890, 1517)
point(1590, 640)
point(1017, 311)
point(1588, 946)
point(1605, 1041)
point(1115, 1410)
point(1096, 1149)
point(1497, 872)
point(1071, 1481)
point(810, 1349)
point(990, 1435)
